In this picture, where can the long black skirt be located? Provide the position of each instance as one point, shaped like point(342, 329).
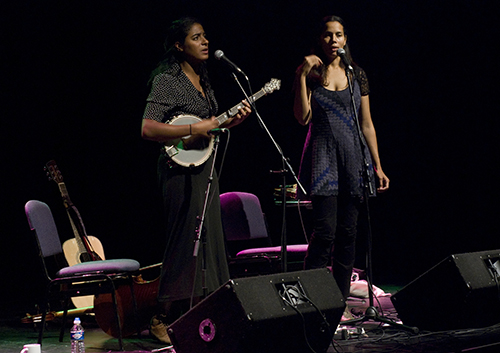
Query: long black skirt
point(183, 191)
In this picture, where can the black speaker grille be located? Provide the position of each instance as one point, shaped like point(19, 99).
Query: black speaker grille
point(250, 315)
point(459, 292)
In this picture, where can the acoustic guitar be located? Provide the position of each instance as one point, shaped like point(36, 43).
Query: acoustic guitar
point(82, 247)
point(191, 151)
point(145, 290)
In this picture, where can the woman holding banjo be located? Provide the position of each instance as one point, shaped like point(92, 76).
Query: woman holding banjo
point(180, 86)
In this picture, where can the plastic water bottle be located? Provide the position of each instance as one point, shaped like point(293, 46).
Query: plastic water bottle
point(77, 335)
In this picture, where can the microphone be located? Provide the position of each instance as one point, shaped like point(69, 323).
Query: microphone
point(219, 54)
point(218, 131)
point(344, 58)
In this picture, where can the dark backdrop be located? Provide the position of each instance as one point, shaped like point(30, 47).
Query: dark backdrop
point(74, 80)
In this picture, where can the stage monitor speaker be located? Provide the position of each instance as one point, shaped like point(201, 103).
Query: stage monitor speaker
point(460, 292)
point(251, 315)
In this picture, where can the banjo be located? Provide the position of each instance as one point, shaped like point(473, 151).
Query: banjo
point(192, 151)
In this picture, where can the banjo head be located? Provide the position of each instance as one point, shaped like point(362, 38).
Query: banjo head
point(188, 151)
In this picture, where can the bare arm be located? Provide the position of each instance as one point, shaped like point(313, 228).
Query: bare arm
point(156, 131)
point(302, 99)
point(370, 135)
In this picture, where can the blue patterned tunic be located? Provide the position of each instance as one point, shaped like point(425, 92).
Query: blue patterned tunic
point(332, 161)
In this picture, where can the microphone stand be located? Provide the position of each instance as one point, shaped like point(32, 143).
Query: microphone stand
point(371, 313)
point(200, 231)
point(287, 168)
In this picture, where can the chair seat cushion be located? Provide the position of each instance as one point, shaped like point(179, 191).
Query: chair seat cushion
point(299, 248)
point(102, 266)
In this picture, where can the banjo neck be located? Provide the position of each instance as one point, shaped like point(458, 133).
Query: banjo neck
point(234, 110)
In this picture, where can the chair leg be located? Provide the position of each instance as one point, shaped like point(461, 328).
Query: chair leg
point(44, 317)
point(134, 302)
point(65, 316)
point(44, 308)
point(117, 316)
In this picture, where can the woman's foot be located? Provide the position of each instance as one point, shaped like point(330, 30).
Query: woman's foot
point(158, 329)
point(347, 315)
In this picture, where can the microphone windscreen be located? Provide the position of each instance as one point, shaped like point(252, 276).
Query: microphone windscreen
point(219, 54)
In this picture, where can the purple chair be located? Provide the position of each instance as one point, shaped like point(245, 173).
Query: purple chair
point(88, 278)
point(249, 246)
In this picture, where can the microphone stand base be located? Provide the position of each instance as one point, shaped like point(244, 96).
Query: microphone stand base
point(371, 313)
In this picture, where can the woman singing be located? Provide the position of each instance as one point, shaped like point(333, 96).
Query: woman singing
point(332, 161)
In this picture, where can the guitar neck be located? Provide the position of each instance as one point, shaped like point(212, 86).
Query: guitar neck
point(64, 194)
point(68, 204)
point(234, 110)
point(72, 210)
point(74, 216)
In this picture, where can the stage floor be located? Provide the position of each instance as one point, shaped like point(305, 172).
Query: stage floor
point(368, 336)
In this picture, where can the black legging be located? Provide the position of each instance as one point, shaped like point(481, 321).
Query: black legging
point(334, 237)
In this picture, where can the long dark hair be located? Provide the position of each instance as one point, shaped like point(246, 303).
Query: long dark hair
point(177, 32)
point(317, 50)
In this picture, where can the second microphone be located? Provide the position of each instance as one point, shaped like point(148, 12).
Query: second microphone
point(217, 131)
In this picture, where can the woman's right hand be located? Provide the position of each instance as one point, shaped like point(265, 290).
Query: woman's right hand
point(310, 62)
point(204, 126)
point(302, 100)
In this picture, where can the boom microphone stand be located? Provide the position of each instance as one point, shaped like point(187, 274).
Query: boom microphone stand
point(371, 313)
point(287, 168)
